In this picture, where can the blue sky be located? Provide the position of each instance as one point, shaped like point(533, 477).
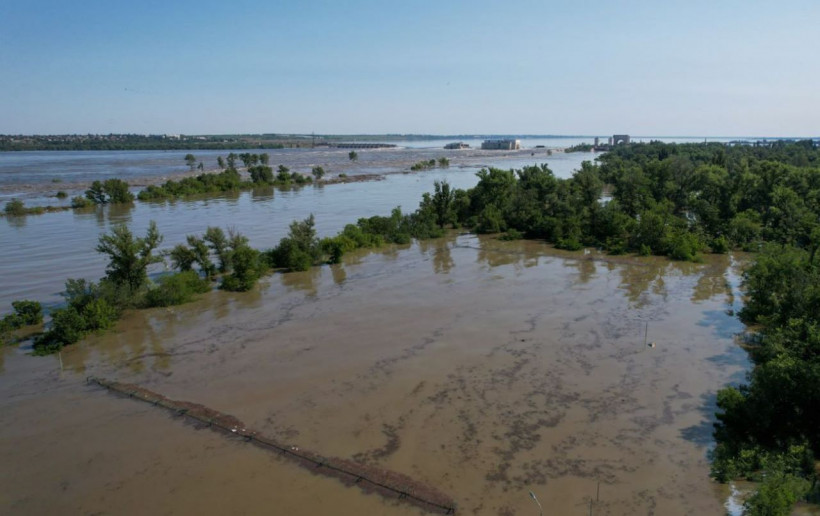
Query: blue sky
point(706, 68)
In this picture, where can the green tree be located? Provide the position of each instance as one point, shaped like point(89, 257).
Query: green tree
point(220, 161)
point(218, 242)
point(190, 160)
point(129, 257)
point(318, 172)
point(352, 156)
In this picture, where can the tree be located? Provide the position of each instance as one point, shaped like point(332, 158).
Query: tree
point(264, 158)
point(318, 172)
point(352, 156)
point(220, 161)
point(443, 203)
point(129, 257)
point(190, 160)
point(201, 166)
point(219, 244)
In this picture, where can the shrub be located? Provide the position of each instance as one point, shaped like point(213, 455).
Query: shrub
point(684, 246)
point(61, 195)
point(720, 245)
point(776, 496)
point(15, 207)
point(176, 289)
point(80, 202)
point(512, 234)
point(248, 266)
point(29, 312)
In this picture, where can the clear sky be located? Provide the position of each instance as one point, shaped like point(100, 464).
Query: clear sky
point(705, 68)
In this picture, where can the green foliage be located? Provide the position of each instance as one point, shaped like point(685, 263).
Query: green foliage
point(90, 307)
point(15, 207)
point(182, 257)
point(81, 202)
point(28, 312)
point(318, 172)
point(111, 191)
point(684, 246)
point(176, 289)
point(581, 147)
point(248, 267)
point(129, 257)
point(776, 496)
point(720, 245)
point(61, 195)
point(219, 244)
point(511, 234)
point(190, 160)
point(352, 155)
point(210, 183)
point(261, 174)
point(299, 250)
point(25, 313)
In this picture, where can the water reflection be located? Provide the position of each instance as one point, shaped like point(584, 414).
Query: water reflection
point(586, 268)
point(339, 274)
point(302, 281)
point(713, 281)
point(442, 259)
point(17, 222)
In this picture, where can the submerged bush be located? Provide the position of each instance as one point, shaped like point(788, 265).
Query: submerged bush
point(15, 207)
point(176, 289)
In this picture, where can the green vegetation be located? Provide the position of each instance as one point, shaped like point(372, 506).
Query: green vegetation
point(81, 202)
point(190, 160)
point(353, 156)
point(229, 180)
point(769, 428)
point(581, 147)
point(431, 163)
point(26, 313)
point(16, 208)
point(176, 289)
point(129, 257)
point(61, 195)
point(318, 173)
point(111, 191)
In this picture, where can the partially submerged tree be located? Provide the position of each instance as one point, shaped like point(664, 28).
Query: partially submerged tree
point(129, 257)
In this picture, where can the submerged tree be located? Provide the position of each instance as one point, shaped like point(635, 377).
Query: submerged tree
point(129, 257)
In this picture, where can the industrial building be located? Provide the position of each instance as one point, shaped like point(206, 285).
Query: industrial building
point(501, 144)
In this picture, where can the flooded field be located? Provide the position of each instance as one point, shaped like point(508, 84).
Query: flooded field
point(484, 368)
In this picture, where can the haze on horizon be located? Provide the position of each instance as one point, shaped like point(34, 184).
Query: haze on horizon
point(700, 68)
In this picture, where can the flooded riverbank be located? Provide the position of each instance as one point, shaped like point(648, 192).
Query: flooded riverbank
point(484, 368)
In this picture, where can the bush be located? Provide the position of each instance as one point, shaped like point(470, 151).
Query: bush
point(248, 267)
point(512, 234)
point(80, 202)
point(720, 245)
point(684, 246)
point(776, 496)
point(61, 195)
point(176, 289)
point(15, 208)
point(29, 312)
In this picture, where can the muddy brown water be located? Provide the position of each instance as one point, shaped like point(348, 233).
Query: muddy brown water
point(484, 368)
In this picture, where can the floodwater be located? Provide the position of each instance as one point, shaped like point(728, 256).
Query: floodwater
point(36, 176)
point(485, 368)
point(40, 252)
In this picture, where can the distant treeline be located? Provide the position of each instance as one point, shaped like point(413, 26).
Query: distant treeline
point(147, 142)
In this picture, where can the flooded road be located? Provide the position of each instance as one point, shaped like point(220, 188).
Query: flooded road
point(485, 368)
